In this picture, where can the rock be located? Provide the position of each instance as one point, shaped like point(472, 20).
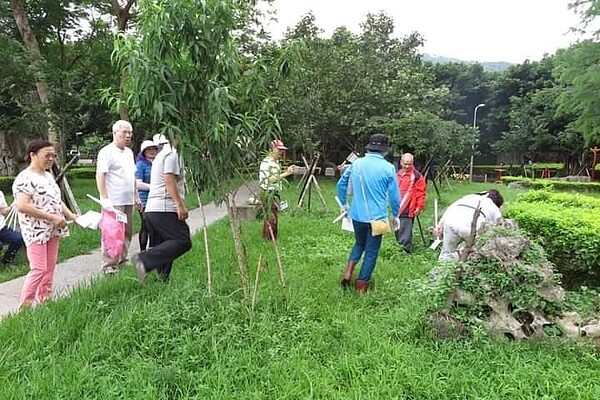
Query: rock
point(446, 327)
point(506, 249)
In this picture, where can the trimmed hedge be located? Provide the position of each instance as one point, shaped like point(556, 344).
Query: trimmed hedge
point(6, 183)
point(569, 231)
point(563, 199)
point(535, 166)
point(82, 173)
point(553, 184)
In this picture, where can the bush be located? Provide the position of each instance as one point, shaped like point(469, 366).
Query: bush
point(563, 199)
point(81, 173)
point(6, 183)
point(569, 234)
point(554, 185)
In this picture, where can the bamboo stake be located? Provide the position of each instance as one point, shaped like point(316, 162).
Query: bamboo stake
point(237, 241)
point(205, 234)
point(255, 291)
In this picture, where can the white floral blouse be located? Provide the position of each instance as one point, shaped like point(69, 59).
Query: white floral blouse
point(45, 195)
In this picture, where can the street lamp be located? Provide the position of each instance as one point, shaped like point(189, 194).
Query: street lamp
point(473, 145)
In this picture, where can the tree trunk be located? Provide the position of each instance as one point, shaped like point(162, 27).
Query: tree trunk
point(12, 153)
point(123, 14)
point(36, 63)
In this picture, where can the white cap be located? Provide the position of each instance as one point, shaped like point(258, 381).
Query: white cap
point(160, 139)
point(146, 144)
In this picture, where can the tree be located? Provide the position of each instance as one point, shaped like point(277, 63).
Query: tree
point(577, 72)
point(352, 83)
point(37, 66)
point(187, 75)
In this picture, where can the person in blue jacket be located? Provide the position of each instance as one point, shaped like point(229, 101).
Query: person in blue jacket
point(143, 166)
point(374, 185)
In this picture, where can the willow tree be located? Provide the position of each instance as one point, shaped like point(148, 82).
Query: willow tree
point(187, 73)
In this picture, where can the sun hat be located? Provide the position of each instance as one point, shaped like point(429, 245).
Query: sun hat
point(146, 144)
point(278, 144)
point(378, 142)
point(160, 139)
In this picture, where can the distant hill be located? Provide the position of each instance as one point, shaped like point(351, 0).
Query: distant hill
point(487, 65)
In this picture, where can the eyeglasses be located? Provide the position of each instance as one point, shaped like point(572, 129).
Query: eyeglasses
point(49, 156)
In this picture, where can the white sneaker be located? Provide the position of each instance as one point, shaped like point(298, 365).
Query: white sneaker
point(109, 270)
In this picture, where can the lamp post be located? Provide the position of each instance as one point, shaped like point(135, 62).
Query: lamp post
point(473, 145)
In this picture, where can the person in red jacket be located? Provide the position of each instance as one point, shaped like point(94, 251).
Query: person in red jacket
point(412, 192)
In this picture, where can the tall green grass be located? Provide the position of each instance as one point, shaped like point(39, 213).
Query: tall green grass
point(121, 340)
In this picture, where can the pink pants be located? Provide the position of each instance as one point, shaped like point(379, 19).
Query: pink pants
point(38, 282)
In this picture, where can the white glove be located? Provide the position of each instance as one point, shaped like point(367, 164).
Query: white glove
point(106, 204)
point(396, 224)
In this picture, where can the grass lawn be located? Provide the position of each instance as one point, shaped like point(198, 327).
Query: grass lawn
point(120, 340)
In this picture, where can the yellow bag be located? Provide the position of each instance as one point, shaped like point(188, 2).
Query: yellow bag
point(380, 227)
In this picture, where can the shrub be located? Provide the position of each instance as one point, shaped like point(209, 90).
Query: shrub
point(569, 234)
point(6, 183)
point(81, 173)
point(554, 185)
point(563, 199)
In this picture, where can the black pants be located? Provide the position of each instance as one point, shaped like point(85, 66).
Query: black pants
point(404, 234)
point(143, 234)
point(169, 239)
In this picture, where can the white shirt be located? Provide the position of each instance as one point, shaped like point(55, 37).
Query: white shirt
point(460, 213)
point(166, 162)
point(118, 165)
point(45, 195)
point(2, 205)
point(269, 167)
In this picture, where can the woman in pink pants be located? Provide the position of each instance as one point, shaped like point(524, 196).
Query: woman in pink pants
point(42, 218)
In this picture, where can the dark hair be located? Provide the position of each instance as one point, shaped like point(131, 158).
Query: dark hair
point(36, 145)
point(496, 197)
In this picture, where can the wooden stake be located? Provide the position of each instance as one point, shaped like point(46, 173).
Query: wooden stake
point(205, 234)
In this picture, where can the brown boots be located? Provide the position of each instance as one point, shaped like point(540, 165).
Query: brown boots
point(361, 286)
point(348, 274)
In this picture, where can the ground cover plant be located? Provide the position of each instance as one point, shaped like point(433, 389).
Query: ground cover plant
point(567, 226)
point(119, 340)
point(592, 187)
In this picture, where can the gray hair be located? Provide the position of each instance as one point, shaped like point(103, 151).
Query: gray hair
point(408, 157)
point(120, 125)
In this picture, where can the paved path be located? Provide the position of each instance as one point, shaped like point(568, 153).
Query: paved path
point(82, 270)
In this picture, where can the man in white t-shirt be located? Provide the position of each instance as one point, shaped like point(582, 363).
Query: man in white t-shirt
point(115, 179)
point(8, 236)
point(165, 215)
point(456, 221)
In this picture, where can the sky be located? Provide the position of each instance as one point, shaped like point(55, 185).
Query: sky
point(470, 30)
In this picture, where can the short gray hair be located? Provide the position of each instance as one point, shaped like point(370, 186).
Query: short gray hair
point(408, 156)
point(120, 125)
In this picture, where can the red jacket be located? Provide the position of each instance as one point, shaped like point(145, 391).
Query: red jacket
point(414, 182)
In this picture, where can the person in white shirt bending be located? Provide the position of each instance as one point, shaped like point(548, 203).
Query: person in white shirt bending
point(115, 179)
point(456, 221)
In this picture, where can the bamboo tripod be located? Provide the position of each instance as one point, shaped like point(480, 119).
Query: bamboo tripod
point(308, 180)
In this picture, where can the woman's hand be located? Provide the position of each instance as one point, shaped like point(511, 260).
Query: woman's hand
point(58, 221)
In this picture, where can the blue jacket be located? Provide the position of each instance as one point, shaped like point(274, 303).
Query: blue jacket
point(142, 171)
point(378, 179)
